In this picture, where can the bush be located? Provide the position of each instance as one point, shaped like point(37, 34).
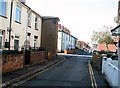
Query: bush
point(37, 49)
point(114, 57)
point(7, 52)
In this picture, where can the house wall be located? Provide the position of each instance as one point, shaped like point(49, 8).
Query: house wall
point(4, 23)
point(59, 46)
point(65, 40)
point(49, 36)
point(20, 29)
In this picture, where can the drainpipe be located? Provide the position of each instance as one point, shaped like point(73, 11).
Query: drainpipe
point(11, 9)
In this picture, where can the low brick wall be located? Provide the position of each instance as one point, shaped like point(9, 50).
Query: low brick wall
point(97, 61)
point(51, 55)
point(71, 51)
point(12, 62)
point(37, 57)
point(68, 51)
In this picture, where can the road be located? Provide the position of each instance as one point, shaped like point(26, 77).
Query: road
point(71, 72)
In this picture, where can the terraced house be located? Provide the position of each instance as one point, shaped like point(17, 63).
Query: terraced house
point(23, 29)
point(65, 39)
point(20, 26)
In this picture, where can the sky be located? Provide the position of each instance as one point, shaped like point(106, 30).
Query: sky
point(81, 17)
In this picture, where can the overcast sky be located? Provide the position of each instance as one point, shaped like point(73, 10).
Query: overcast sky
point(81, 17)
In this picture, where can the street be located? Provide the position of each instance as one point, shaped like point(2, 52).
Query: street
point(71, 72)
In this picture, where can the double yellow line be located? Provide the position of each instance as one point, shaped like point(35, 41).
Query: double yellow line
point(93, 81)
point(36, 74)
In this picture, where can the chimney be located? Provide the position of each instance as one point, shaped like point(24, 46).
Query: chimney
point(23, 1)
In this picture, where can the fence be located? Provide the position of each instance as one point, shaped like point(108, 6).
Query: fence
point(110, 71)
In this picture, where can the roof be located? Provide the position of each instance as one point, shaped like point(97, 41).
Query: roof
point(30, 8)
point(115, 28)
point(50, 17)
point(68, 34)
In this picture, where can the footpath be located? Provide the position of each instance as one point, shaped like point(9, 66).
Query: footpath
point(99, 78)
point(20, 74)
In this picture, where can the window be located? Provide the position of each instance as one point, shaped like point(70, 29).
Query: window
point(69, 38)
point(16, 44)
point(36, 19)
point(3, 7)
point(29, 18)
point(18, 13)
point(66, 38)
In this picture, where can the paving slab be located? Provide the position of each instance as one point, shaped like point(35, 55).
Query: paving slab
point(100, 79)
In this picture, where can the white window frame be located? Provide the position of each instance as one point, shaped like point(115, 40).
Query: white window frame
point(29, 18)
point(18, 7)
point(36, 23)
point(3, 11)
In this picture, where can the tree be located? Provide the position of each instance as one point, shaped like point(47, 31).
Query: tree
point(102, 37)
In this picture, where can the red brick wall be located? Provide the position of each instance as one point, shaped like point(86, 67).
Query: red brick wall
point(37, 57)
point(97, 61)
point(71, 51)
point(51, 55)
point(12, 62)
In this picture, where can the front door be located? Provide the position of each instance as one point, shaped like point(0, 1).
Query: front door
point(0, 42)
point(16, 44)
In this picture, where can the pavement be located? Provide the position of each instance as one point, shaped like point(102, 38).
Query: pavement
point(100, 79)
point(20, 74)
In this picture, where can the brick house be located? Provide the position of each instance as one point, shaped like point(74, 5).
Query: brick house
point(102, 47)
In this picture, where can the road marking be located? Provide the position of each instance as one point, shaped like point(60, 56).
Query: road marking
point(36, 74)
point(74, 55)
point(93, 81)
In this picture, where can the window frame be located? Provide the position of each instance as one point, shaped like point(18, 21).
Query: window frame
point(3, 3)
point(29, 18)
point(36, 23)
point(18, 18)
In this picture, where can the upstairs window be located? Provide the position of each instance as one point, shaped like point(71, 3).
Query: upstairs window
point(29, 18)
point(3, 7)
point(36, 23)
point(18, 13)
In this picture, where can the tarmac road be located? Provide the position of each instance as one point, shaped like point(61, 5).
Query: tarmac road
point(71, 72)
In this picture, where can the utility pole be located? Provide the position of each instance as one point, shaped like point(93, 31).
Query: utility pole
point(9, 30)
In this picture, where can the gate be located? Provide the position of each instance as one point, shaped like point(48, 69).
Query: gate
point(27, 57)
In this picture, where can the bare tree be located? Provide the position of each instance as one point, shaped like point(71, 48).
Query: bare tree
point(103, 37)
